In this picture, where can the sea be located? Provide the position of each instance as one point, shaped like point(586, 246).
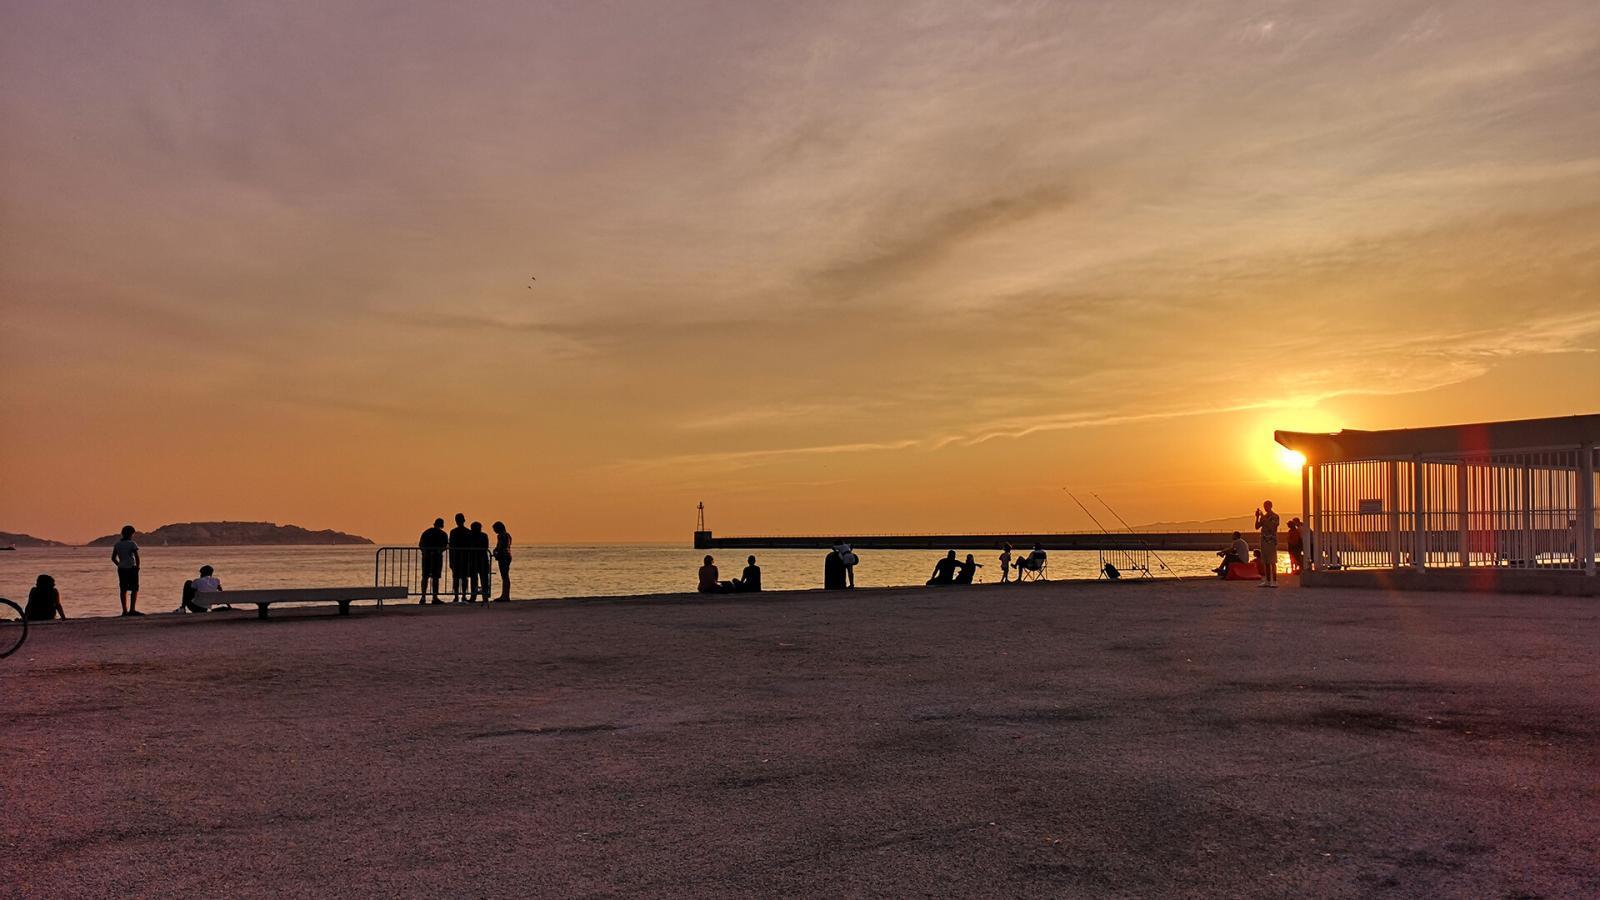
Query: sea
point(88, 581)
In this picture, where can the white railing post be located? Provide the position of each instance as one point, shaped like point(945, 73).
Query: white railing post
point(1586, 499)
point(1419, 515)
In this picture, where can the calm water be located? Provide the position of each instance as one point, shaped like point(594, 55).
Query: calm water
point(88, 582)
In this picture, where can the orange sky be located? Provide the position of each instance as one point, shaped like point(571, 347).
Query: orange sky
point(827, 267)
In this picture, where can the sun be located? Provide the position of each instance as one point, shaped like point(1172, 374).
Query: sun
point(1293, 460)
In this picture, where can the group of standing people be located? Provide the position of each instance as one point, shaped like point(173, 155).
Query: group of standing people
point(470, 553)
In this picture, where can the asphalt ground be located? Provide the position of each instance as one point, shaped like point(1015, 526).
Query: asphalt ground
point(1062, 740)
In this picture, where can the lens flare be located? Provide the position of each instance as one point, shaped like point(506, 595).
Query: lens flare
point(1292, 460)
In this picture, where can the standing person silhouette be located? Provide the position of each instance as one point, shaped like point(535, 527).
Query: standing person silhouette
point(433, 543)
point(1005, 563)
point(502, 555)
point(849, 558)
point(479, 564)
point(460, 557)
point(125, 553)
point(1268, 523)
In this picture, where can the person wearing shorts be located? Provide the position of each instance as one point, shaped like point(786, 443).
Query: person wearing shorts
point(125, 553)
point(1267, 521)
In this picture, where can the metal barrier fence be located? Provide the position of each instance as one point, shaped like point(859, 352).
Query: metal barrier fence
point(402, 567)
point(1524, 510)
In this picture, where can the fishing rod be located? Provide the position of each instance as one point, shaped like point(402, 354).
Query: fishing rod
point(1162, 562)
point(1086, 512)
point(1103, 529)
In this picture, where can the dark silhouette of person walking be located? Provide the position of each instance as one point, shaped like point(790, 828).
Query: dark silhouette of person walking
point(460, 558)
point(433, 543)
point(125, 553)
point(502, 555)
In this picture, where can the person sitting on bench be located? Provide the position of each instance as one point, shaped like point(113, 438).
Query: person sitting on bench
point(207, 583)
point(944, 571)
point(1237, 552)
point(966, 570)
point(1033, 562)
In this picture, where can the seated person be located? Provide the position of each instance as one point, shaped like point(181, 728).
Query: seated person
point(750, 580)
point(1033, 562)
point(966, 570)
point(1237, 552)
point(708, 579)
point(44, 601)
point(194, 589)
point(944, 571)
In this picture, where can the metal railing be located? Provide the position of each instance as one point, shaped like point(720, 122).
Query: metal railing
point(1519, 509)
point(402, 567)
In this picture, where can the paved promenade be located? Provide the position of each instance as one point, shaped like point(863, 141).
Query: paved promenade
point(1191, 739)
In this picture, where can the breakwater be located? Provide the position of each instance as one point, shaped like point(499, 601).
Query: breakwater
point(1127, 541)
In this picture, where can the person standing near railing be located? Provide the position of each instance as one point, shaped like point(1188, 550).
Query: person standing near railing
point(502, 555)
point(460, 558)
point(433, 543)
point(478, 564)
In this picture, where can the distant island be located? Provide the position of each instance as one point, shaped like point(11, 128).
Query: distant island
point(234, 534)
point(10, 539)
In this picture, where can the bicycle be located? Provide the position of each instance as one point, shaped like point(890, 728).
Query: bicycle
point(13, 628)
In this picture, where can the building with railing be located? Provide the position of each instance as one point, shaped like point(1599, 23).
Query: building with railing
point(1504, 506)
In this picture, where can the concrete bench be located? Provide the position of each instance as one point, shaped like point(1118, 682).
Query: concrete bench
point(341, 595)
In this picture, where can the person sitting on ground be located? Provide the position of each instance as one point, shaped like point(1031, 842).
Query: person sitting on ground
point(966, 570)
point(944, 571)
point(1237, 552)
point(1033, 562)
point(1005, 563)
point(44, 601)
point(708, 579)
point(849, 558)
point(750, 580)
point(207, 583)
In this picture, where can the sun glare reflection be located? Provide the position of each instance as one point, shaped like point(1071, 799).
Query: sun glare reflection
point(1292, 460)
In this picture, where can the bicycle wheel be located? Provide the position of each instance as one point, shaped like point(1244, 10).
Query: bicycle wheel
point(13, 628)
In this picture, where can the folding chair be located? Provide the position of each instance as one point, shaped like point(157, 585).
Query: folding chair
point(1028, 573)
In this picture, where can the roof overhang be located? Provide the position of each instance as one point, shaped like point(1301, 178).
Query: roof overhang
point(1478, 438)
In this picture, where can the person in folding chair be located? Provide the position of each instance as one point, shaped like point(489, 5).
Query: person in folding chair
point(1033, 564)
